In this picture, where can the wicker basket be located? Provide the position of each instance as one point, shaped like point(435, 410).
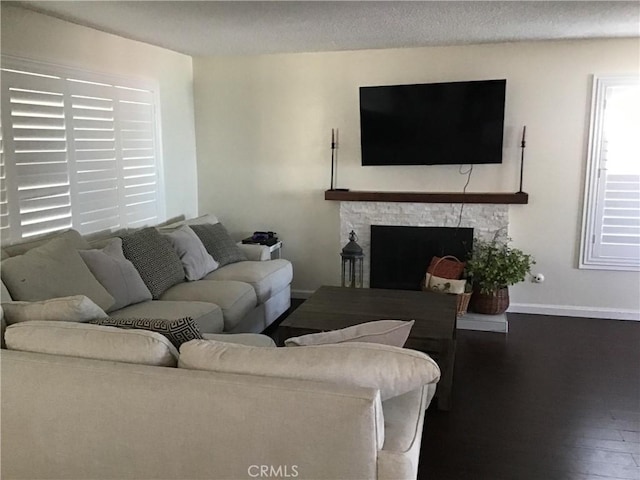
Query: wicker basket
point(463, 302)
point(463, 298)
point(493, 303)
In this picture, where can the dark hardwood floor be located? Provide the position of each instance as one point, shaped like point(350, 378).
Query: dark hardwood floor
point(556, 398)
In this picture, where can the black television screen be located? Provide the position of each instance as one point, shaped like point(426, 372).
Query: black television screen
point(432, 124)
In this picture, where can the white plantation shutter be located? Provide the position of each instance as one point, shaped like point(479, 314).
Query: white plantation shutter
point(4, 205)
point(611, 227)
point(80, 151)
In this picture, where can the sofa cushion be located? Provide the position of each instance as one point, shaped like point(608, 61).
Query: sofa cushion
point(250, 339)
point(219, 243)
point(154, 258)
point(77, 308)
point(177, 331)
point(267, 278)
point(236, 299)
point(92, 341)
point(116, 274)
point(76, 240)
point(387, 332)
point(392, 370)
point(52, 270)
point(195, 259)
point(208, 316)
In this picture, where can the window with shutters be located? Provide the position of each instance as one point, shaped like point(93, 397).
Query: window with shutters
point(78, 150)
point(611, 224)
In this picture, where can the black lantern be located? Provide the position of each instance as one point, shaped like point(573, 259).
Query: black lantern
point(352, 258)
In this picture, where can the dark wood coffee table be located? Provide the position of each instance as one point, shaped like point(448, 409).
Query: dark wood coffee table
point(434, 331)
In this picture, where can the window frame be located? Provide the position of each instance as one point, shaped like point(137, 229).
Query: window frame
point(64, 72)
point(594, 181)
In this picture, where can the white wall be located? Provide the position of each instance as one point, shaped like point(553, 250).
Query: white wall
point(39, 37)
point(263, 129)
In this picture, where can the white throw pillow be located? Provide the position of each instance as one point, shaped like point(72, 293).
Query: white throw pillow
point(391, 370)
point(52, 270)
point(92, 341)
point(76, 308)
point(444, 285)
point(195, 259)
point(386, 332)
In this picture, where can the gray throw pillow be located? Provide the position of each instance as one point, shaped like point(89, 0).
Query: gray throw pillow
point(197, 262)
point(219, 243)
point(155, 260)
point(177, 331)
point(116, 274)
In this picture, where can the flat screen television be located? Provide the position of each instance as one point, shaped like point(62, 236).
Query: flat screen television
point(433, 123)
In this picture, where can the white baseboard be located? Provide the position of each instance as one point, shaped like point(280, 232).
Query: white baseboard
point(575, 311)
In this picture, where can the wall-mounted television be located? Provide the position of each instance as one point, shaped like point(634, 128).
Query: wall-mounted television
point(432, 123)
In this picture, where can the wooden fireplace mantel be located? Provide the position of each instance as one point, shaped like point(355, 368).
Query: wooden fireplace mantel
point(423, 197)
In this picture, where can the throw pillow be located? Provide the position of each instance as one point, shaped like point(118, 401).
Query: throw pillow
point(387, 332)
point(195, 259)
point(218, 243)
point(92, 341)
point(444, 285)
point(77, 308)
point(177, 331)
point(446, 267)
point(52, 270)
point(155, 260)
point(116, 274)
point(391, 370)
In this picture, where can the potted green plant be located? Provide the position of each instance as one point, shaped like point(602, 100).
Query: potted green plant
point(493, 267)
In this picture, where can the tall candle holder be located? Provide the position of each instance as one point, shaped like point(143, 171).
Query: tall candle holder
point(522, 146)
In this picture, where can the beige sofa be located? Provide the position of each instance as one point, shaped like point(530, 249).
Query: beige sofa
point(85, 401)
point(65, 417)
point(246, 296)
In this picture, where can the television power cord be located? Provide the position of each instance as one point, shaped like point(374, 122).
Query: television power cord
point(464, 190)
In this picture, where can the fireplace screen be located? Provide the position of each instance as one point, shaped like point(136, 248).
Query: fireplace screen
point(400, 255)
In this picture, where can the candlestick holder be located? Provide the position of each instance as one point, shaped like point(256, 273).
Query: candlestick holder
point(522, 147)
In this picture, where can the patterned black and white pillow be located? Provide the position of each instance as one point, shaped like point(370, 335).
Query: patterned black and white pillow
point(177, 331)
point(219, 243)
point(155, 259)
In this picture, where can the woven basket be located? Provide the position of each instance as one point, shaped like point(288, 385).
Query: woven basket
point(490, 303)
point(462, 298)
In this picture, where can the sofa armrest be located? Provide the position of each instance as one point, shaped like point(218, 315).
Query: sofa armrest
point(255, 252)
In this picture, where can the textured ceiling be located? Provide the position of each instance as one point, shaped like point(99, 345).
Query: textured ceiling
point(205, 28)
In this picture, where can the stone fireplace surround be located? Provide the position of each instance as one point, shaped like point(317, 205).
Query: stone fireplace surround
point(485, 219)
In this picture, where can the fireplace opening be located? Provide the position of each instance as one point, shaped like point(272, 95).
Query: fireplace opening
point(400, 255)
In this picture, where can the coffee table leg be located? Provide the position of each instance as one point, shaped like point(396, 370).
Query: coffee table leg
point(443, 391)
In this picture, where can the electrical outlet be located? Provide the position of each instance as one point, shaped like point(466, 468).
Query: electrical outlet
point(537, 278)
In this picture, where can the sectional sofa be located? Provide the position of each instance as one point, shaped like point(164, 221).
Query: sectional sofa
point(243, 296)
point(89, 401)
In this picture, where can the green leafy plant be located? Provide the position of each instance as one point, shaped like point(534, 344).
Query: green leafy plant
point(495, 265)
